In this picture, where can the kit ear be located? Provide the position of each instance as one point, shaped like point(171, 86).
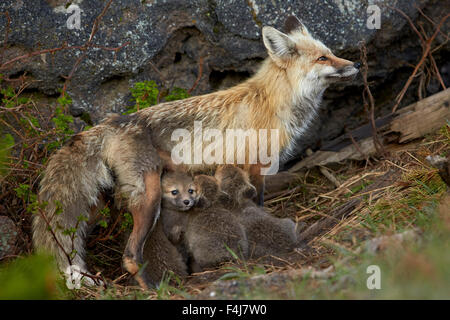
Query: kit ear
point(294, 25)
point(203, 203)
point(277, 43)
point(249, 192)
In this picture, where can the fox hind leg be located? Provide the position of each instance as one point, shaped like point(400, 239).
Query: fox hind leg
point(145, 213)
point(137, 168)
point(258, 181)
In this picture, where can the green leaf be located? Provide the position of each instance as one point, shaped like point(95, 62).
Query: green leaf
point(177, 94)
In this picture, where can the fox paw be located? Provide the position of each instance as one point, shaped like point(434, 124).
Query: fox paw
point(76, 277)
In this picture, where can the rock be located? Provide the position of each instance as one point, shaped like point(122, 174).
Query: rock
point(382, 243)
point(174, 34)
point(8, 237)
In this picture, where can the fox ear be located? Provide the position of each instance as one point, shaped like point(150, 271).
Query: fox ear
point(293, 25)
point(277, 43)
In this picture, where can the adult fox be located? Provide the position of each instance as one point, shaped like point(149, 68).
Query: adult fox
point(123, 152)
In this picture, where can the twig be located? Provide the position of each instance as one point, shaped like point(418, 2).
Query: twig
point(47, 222)
point(433, 62)
point(85, 47)
point(199, 76)
point(369, 106)
point(431, 21)
point(161, 76)
point(358, 148)
point(326, 172)
point(425, 54)
point(280, 193)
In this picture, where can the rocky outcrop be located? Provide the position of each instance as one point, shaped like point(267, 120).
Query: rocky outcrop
point(8, 237)
point(173, 35)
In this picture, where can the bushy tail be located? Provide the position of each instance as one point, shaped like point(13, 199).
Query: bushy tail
point(70, 187)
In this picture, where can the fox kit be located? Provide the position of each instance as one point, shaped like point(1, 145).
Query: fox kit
point(178, 196)
point(235, 186)
point(203, 232)
point(122, 153)
point(160, 256)
point(211, 230)
point(266, 235)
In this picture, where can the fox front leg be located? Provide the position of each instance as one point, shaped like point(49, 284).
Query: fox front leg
point(258, 181)
point(144, 215)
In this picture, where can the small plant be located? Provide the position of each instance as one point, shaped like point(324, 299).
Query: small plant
point(106, 214)
point(146, 94)
point(166, 289)
point(177, 94)
point(127, 222)
point(62, 122)
point(240, 273)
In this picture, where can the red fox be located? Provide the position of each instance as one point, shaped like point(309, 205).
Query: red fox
point(122, 153)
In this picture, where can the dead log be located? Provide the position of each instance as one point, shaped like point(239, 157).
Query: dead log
point(409, 123)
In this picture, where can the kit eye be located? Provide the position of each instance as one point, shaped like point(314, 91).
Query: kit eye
point(191, 191)
point(174, 192)
point(322, 58)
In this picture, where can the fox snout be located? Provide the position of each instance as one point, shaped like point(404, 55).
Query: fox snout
point(186, 204)
point(345, 72)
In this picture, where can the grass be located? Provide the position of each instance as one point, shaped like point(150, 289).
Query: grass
point(411, 270)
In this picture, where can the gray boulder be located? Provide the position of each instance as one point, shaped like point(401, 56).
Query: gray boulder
point(8, 237)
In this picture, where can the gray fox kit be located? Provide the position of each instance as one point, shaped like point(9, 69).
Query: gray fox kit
point(179, 195)
point(266, 235)
point(161, 256)
point(204, 232)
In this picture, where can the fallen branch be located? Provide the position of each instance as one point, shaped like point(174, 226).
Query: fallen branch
point(409, 123)
point(325, 172)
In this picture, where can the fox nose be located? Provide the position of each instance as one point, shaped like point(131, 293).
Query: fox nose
point(357, 65)
point(186, 202)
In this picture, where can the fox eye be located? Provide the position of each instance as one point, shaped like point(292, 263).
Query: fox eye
point(322, 58)
point(191, 191)
point(174, 192)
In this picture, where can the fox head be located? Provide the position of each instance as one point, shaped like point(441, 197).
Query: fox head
point(307, 61)
point(179, 191)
